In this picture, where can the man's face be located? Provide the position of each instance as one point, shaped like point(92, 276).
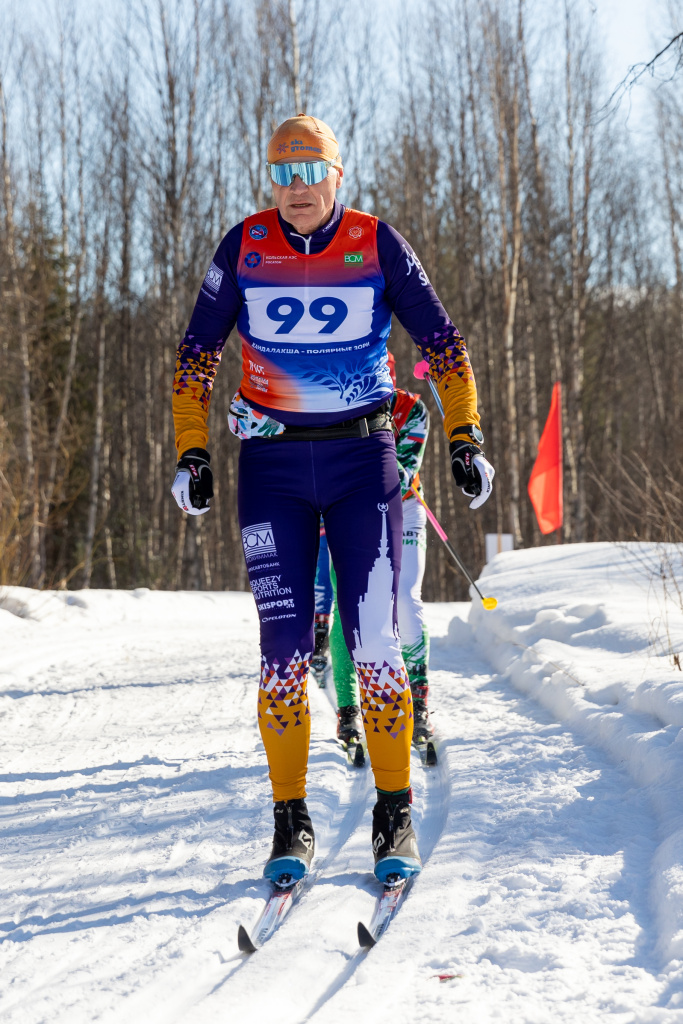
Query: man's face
point(308, 207)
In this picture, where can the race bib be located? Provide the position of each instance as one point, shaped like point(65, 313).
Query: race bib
point(311, 316)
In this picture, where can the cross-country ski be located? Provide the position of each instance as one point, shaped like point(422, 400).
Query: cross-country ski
point(284, 894)
point(387, 904)
point(427, 752)
point(356, 753)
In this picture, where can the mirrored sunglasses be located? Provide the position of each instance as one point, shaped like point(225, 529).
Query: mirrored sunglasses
point(311, 173)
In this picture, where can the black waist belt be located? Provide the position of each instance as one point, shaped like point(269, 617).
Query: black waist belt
point(362, 426)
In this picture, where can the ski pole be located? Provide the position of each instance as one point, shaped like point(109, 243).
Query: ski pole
point(421, 371)
point(488, 602)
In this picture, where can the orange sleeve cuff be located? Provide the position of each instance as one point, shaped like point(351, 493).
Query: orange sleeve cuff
point(189, 419)
point(458, 396)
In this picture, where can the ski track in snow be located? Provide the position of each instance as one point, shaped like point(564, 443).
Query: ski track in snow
point(135, 820)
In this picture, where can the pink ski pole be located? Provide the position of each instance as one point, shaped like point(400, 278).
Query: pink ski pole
point(421, 371)
point(488, 602)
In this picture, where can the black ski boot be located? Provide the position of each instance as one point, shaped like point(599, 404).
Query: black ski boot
point(393, 839)
point(349, 725)
point(293, 841)
point(321, 646)
point(423, 730)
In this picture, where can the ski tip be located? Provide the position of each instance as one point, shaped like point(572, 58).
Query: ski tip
point(355, 754)
point(365, 938)
point(427, 753)
point(243, 941)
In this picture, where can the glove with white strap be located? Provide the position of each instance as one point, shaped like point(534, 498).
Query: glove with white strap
point(472, 471)
point(193, 484)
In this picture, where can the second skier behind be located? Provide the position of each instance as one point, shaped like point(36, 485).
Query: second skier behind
point(411, 428)
point(323, 608)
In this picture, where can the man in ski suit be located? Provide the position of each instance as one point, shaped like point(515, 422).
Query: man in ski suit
point(311, 286)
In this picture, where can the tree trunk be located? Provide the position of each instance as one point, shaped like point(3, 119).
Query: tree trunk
point(95, 462)
point(576, 450)
point(510, 252)
point(296, 58)
point(73, 306)
point(543, 244)
point(30, 500)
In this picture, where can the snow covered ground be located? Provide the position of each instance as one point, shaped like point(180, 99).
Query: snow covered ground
point(135, 812)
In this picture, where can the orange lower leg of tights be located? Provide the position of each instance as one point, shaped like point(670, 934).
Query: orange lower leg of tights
point(285, 725)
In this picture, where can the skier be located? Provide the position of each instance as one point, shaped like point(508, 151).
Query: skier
point(323, 609)
point(311, 286)
point(411, 427)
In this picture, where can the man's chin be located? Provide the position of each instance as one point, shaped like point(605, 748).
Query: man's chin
point(304, 222)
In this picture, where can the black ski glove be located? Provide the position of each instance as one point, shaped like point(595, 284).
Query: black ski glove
point(472, 471)
point(193, 484)
point(463, 454)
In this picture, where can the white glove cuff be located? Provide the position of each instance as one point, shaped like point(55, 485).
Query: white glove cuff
point(181, 492)
point(486, 475)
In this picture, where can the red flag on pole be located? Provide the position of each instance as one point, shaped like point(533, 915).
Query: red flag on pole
point(545, 482)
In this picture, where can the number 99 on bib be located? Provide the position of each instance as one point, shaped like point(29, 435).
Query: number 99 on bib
point(312, 316)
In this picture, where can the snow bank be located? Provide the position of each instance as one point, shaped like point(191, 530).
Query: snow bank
point(20, 607)
point(607, 665)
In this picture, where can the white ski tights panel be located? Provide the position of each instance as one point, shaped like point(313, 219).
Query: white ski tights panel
point(411, 620)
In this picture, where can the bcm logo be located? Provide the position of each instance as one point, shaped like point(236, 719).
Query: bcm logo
point(258, 540)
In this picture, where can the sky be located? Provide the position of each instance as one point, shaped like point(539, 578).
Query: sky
point(634, 30)
point(629, 25)
point(628, 31)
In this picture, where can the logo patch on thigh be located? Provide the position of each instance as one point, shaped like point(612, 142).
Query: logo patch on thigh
point(258, 540)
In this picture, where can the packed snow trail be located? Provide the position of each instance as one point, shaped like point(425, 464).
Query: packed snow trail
point(136, 819)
